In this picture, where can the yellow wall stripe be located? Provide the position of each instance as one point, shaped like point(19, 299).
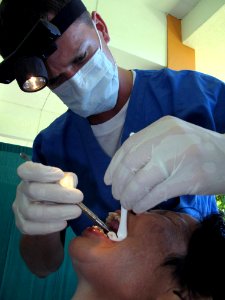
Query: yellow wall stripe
point(179, 56)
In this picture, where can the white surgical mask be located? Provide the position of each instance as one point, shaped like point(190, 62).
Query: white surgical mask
point(94, 88)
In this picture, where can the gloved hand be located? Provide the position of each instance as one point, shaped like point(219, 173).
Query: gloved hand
point(43, 203)
point(166, 159)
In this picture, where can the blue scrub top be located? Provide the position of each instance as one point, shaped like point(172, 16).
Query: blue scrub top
point(69, 143)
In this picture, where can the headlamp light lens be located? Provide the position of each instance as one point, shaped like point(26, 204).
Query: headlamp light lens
point(31, 74)
point(34, 84)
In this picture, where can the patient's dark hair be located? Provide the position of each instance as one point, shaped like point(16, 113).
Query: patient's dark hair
point(17, 17)
point(201, 271)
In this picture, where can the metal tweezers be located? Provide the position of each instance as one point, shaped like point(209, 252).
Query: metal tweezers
point(84, 208)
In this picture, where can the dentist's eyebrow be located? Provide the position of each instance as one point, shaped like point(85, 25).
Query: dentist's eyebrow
point(84, 45)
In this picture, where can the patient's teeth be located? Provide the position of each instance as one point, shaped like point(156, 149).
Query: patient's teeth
point(112, 236)
point(113, 216)
point(98, 228)
point(121, 230)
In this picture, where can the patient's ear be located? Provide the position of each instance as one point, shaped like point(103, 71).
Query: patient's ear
point(172, 294)
point(178, 294)
point(185, 295)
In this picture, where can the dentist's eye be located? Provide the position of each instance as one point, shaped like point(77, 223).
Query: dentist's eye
point(80, 58)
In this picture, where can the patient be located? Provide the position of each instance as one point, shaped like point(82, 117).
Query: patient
point(166, 256)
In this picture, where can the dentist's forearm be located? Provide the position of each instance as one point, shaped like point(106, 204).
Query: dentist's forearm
point(43, 254)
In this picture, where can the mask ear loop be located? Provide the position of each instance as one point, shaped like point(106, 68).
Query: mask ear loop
point(100, 41)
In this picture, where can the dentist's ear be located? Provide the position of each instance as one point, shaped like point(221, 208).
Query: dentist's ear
point(100, 25)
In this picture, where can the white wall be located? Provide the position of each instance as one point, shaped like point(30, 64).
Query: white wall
point(204, 30)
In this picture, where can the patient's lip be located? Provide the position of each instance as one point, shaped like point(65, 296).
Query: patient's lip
point(94, 231)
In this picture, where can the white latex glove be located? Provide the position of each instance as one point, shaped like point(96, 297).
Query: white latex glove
point(166, 159)
point(43, 203)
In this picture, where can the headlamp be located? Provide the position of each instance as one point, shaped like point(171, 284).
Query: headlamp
point(31, 74)
point(26, 63)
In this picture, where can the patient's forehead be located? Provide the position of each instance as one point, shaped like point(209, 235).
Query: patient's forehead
point(178, 218)
point(169, 219)
point(163, 232)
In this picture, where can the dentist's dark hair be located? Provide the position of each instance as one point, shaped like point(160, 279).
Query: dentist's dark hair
point(201, 271)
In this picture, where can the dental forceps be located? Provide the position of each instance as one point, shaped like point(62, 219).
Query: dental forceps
point(83, 207)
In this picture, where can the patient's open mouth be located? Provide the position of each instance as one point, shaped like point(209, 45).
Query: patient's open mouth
point(112, 221)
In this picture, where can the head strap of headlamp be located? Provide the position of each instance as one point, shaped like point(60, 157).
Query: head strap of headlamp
point(72, 11)
point(40, 40)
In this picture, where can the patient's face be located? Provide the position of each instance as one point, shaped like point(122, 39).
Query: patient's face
point(134, 266)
